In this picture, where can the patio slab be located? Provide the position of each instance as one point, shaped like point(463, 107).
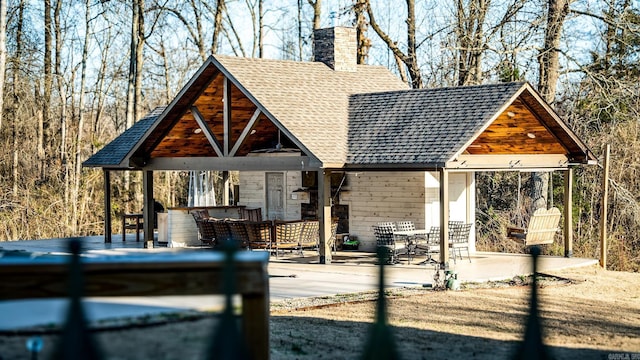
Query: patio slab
point(291, 276)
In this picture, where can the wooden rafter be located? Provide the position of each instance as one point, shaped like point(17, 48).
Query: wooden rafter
point(206, 130)
point(245, 132)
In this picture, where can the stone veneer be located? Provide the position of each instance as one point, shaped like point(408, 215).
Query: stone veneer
point(336, 47)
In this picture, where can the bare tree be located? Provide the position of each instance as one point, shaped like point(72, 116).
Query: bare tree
point(549, 72)
point(548, 58)
point(408, 58)
point(469, 34)
point(362, 25)
point(3, 54)
point(217, 29)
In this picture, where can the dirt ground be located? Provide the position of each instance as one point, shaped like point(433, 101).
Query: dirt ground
point(595, 315)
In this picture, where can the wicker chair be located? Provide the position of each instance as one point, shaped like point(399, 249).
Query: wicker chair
point(260, 234)
point(223, 233)
point(206, 233)
point(310, 235)
point(334, 236)
point(239, 233)
point(254, 215)
point(287, 235)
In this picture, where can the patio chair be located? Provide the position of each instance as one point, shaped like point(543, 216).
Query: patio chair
point(430, 245)
point(260, 234)
point(334, 236)
point(223, 233)
point(459, 240)
point(385, 239)
point(310, 235)
point(287, 235)
point(410, 241)
point(239, 233)
point(254, 215)
point(206, 233)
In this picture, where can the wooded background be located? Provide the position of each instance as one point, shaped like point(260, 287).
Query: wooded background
point(75, 74)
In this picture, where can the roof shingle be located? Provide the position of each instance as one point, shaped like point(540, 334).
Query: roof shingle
point(114, 153)
point(420, 126)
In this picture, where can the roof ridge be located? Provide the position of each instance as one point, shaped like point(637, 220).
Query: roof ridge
point(438, 89)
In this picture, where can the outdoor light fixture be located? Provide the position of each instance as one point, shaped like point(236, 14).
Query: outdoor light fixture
point(197, 131)
point(511, 114)
point(531, 135)
point(253, 132)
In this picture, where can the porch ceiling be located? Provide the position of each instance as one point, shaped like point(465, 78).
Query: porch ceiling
point(200, 129)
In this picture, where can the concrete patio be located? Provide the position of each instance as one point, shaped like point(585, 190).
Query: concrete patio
point(291, 276)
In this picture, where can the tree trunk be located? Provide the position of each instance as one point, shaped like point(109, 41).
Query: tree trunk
point(557, 11)
point(364, 43)
point(15, 130)
point(78, 160)
point(549, 55)
point(470, 40)
point(409, 59)
point(45, 127)
point(3, 54)
point(215, 41)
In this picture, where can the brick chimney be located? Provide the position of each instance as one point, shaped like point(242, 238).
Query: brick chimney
point(336, 47)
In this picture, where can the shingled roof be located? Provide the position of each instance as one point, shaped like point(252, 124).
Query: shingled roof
point(367, 118)
point(115, 152)
point(309, 99)
point(424, 127)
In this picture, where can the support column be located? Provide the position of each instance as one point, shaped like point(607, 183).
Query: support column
point(444, 218)
point(324, 215)
point(604, 208)
point(568, 213)
point(107, 205)
point(147, 210)
point(225, 188)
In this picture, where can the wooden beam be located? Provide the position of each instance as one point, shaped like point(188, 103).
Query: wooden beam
point(148, 214)
point(226, 98)
point(207, 131)
point(604, 208)
point(444, 218)
point(243, 163)
point(107, 205)
point(245, 132)
point(324, 215)
point(568, 213)
point(509, 162)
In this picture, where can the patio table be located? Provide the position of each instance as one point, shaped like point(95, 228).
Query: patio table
point(411, 239)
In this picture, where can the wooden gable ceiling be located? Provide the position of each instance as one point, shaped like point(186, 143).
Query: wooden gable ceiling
point(517, 130)
point(187, 138)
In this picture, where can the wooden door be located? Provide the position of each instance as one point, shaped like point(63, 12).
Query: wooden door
point(275, 195)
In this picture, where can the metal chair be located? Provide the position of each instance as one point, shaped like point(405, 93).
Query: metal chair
point(410, 241)
point(385, 239)
point(459, 240)
point(430, 245)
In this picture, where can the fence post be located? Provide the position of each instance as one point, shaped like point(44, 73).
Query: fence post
point(532, 347)
point(381, 344)
point(76, 341)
